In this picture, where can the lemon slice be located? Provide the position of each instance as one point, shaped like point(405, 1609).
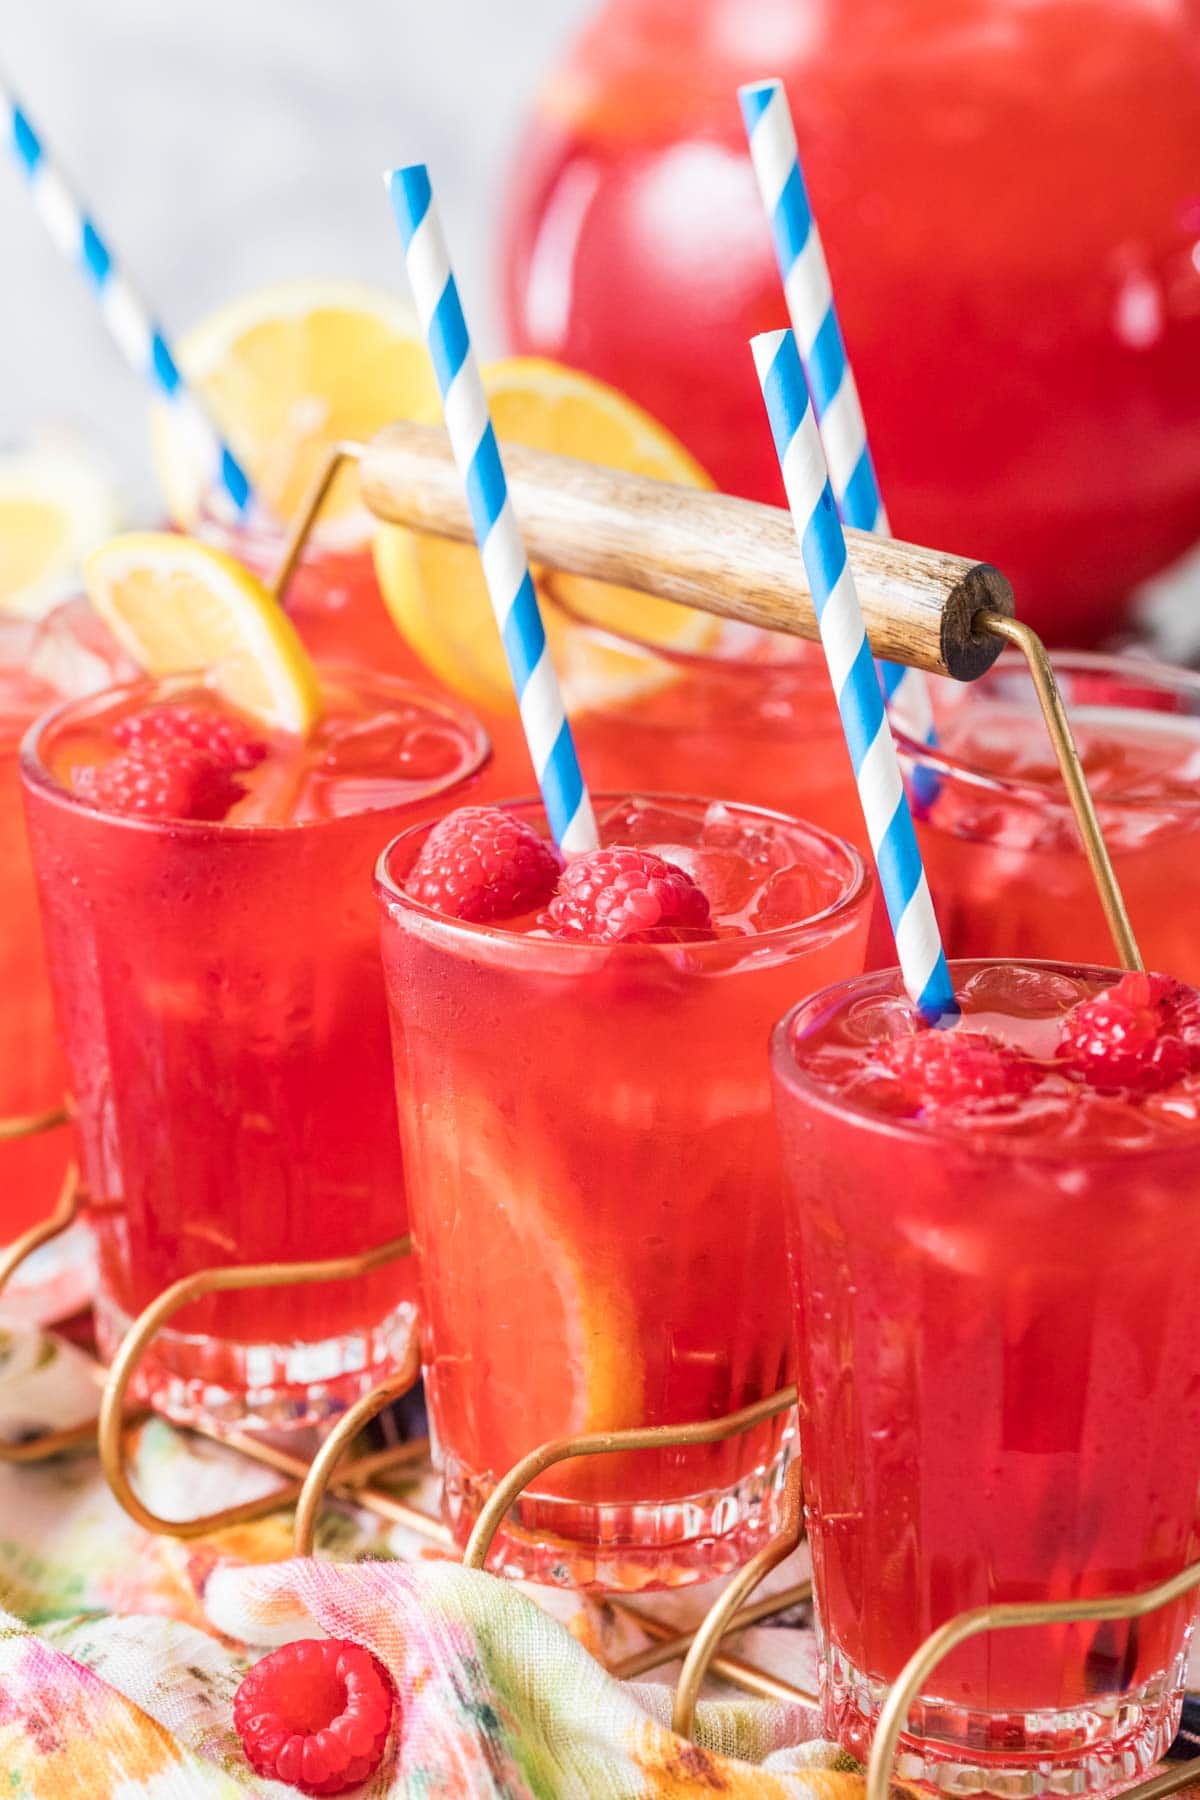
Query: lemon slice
point(55, 506)
point(435, 589)
point(179, 607)
point(289, 372)
point(570, 1362)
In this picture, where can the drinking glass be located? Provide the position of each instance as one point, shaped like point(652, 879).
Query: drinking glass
point(221, 1003)
point(595, 1191)
point(999, 1374)
point(999, 840)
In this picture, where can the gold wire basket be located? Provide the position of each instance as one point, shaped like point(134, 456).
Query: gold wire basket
point(932, 611)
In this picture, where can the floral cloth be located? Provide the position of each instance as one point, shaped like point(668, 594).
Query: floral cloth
point(120, 1651)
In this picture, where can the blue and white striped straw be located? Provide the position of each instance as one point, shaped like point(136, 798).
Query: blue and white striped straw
point(809, 293)
point(130, 323)
point(855, 683)
point(505, 565)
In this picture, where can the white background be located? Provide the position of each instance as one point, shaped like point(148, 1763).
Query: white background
point(226, 143)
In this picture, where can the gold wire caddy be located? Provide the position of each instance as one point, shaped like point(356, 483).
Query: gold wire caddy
point(940, 613)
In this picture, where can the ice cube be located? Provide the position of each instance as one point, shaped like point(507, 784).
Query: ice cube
point(74, 651)
point(644, 824)
point(793, 894)
point(401, 744)
point(728, 882)
point(767, 845)
point(1028, 993)
point(879, 1017)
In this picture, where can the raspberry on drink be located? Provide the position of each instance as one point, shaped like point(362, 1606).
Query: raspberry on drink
point(227, 739)
point(168, 779)
point(480, 863)
point(627, 896)
point(956, 1069)
point(1137, 1037)
point(315, 1714)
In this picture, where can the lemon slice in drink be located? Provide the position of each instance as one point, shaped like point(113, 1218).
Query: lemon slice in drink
point(54, 507)
point(435, 589)
point(288, 373)
point(180, 607)
point(546, 1326)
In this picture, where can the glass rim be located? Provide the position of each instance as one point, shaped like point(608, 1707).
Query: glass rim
point(37, 775)
point(1151, 672)
point(16, 717)
point(257, 532)
point(857, 890)
point(788, 1075)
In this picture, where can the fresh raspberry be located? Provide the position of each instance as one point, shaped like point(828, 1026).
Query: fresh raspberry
point(481, 863)
point(956, 1069)
point(627, 896)
point(228, 740)
point(1136, 1037)
point(315, 1714)
point(161, 781)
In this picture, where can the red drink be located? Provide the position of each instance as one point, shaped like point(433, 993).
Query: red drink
point(335, 603)
point(1030, 368)
point(32, 1079)
point(754, 720)
point(219, 990)
point(994, 1262)
point(594, 1186)
point(333, 597)
point(38, 663)
point(1000, 843)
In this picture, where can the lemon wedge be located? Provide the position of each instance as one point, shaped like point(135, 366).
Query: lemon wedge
point(571, 1362)
point(55, 506)
point(180, 607)
point(435, 589)
point(289, 372)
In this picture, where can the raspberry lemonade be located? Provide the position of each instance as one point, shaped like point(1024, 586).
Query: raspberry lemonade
point(39, 662)
point(205, 891)
point(32, 1078)
point(753, 718)
point(333, 596)
point(994, 1263)
point(593, 1176)
point(1000, 843)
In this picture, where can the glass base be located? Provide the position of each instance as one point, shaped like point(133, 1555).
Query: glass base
point(1094, 1748)
point(224, 1385)
point(626, 1548)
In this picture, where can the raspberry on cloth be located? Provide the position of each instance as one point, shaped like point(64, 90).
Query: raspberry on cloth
point(127, 1679)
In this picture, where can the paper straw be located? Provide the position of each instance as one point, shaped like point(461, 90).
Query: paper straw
point(505, 565)
point(139, 339)
point(809, 293)
point(852, 672)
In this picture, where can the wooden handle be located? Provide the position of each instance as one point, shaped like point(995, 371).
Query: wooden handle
point(727, 556)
